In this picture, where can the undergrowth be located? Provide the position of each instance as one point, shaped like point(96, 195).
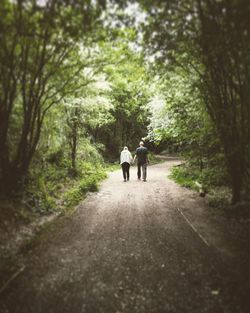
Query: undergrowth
point(88, 182)
point(56, 188)
point(53, 186)
point(218, 193)
point(182, 176)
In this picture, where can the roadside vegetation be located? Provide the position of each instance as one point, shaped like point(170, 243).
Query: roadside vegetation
point(73, 94)
point(201, 52)
point(66, 109)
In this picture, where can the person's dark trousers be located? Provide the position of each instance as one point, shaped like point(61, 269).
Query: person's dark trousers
point(142, 168)
point(125, 170)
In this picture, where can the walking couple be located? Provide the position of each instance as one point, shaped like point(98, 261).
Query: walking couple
point(126, 159)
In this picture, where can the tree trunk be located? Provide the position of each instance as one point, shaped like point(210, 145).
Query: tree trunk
point(73, 153)
point(73, 140)
point(236, 191)
point(236, 173)
point(236, 167)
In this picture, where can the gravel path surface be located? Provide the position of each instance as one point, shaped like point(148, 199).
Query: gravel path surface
point(134, 247)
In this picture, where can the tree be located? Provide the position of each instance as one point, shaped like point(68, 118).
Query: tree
point(212, 38)
point(227, 82)
point(35, 44)
point(129, 95)
point(180, 120)
point(84, 115)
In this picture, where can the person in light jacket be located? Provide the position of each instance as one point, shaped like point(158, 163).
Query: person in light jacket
point(125, 160)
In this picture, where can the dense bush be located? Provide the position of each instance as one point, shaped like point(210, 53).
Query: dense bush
point(187, 175)
point(89, 182)
point(51, 185)
point(183, 176)
point(213, 181)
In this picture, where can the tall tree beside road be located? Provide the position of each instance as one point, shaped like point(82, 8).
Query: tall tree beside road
point(212, 38)
point(36, 41)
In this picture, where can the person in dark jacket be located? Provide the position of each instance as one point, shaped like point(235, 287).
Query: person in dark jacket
point(141, 155)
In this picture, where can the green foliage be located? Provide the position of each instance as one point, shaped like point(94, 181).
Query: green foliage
point(108, 109)
point(214, 176)
point(55, 157)
point(184, 177)
point(179, 118)
point(38, 68)
point(53, 189)
point(52, 185)
point(178, 114)
point(68, 102)
point(210, 39)
point(39, 197)
point(210, 178)
point(93, 174)
point(129, 95)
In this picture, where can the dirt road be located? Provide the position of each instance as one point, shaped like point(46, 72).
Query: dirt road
point(134, 247)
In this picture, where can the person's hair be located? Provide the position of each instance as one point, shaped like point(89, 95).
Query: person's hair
point(141, 143)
